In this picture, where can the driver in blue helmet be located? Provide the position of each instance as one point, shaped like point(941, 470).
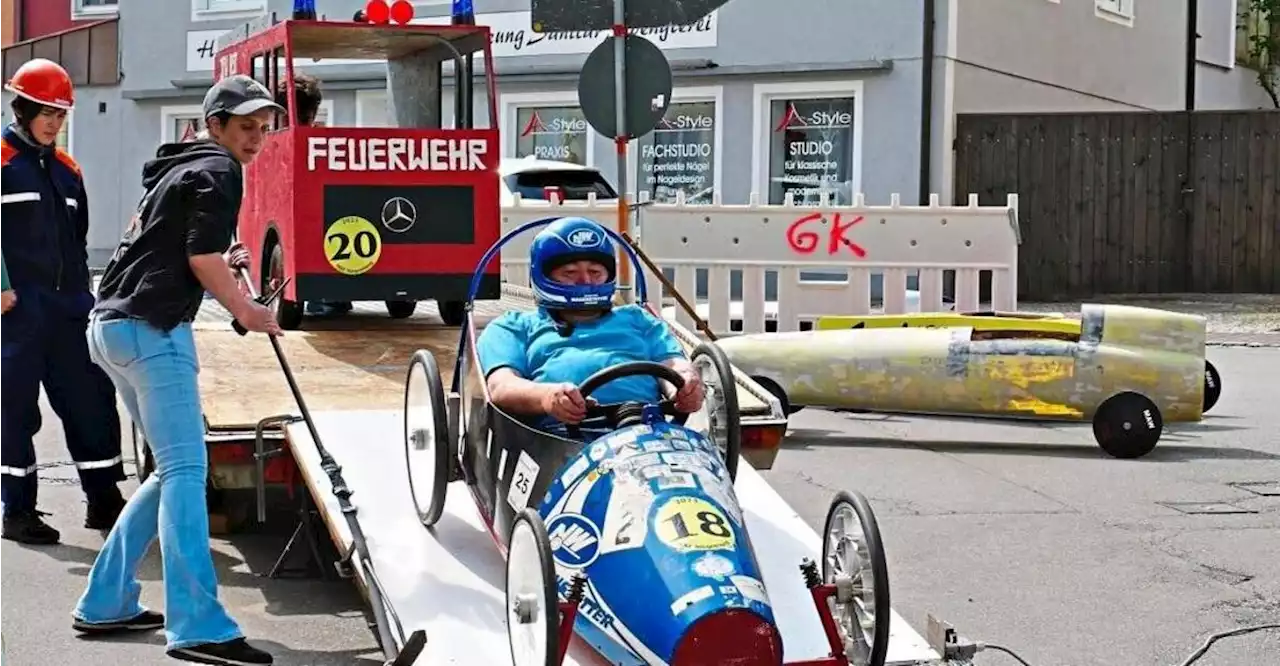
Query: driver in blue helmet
point(534, 361)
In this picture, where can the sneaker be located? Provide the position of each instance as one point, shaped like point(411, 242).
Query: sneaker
point(144, 621)
point(103, 510)
point(29, 527)
point(236, 652)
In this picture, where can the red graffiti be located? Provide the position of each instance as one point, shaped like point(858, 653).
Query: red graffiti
point(806, 241)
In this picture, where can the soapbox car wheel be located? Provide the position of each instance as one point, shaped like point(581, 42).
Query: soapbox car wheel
point(428, 449)
point(621, 414)
point(533, 610)
point(853, 560)
point(1212, 386)
point(721, 402)
point(1127, 425)
point(143, 462)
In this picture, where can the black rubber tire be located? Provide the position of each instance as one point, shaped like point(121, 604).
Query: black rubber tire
point(1212, 386)
point(452, 312)
point(144, 464)
point(550, 598)
point(401, 309)
point(732, 452)
point(879, 567)
point(1127, 425)
point(442, 444)
point(288, 313)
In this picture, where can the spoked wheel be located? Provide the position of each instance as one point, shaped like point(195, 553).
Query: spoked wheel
point(288, 313)
point(143, 462)
point(1127, 425)
point(721, 403)
point(1212, 386)
point(428, 450)
point(533, 612)
point(853, 560)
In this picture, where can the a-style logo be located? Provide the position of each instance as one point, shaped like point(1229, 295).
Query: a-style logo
point(685, 121)
point(557, 125)
point(584, 238)
point(817, 119)
point(399, 214)
point(575, 541)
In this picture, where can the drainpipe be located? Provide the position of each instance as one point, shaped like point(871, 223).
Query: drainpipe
point(1189, 106)
point(926, 99)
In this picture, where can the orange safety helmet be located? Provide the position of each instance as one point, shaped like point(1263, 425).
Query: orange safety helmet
point(43, 82)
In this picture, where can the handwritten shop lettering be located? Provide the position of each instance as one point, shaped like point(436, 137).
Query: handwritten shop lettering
point(807, 233)
point(336, 153)
point(519, 39)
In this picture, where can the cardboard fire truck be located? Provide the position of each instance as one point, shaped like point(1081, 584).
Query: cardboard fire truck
point(397, 214)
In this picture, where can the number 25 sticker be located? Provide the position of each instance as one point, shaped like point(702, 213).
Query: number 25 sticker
point(352, 245)
point(692, 523)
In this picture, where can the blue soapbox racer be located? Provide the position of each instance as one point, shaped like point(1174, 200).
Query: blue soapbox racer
point(636, 540)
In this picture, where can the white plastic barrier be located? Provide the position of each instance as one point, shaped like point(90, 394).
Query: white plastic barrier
point(856, 240)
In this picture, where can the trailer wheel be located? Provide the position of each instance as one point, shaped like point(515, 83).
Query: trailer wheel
point(1127, 425)
point(724, 427)
point(853, 560)
point(777, 392)
point(428, 449)
point(533, 609)
point(452, 312)
point(1212, 386)
point(143, 462)
point(288, 313)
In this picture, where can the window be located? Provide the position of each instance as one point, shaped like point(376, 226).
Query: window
point(1118, 11)
point(93, 8)
point(1253, 30)
point(546, 126)
point(682, 153)
point(811, 150)
point(220, 10)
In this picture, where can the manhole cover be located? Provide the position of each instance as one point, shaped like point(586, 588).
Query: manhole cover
point(1205, 507)
point(1263, 488)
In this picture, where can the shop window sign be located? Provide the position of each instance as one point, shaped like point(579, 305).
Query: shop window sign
point(679, 154)
point(552, 133)
point(811, 150)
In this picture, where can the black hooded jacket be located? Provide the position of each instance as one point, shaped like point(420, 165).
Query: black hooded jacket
point(192, 202)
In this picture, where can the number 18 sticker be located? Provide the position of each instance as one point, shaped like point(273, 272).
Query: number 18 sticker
point(692, 523)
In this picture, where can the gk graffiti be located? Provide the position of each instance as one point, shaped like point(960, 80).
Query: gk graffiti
point(803, 237)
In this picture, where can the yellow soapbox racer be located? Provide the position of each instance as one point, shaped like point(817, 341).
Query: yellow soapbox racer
point(1126, 369)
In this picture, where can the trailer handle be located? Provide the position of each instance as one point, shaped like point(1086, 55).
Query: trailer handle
point(260, 456)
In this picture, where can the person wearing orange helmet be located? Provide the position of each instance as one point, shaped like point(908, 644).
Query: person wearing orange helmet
point(45, 240)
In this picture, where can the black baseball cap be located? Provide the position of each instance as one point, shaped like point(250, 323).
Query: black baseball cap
point(238, 95)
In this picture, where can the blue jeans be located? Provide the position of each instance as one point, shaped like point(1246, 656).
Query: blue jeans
point(156, 374)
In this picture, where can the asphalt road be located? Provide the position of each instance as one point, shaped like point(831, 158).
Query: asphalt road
point(1022, 535)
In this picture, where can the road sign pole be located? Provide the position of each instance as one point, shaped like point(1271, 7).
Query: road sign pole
point(621, 139)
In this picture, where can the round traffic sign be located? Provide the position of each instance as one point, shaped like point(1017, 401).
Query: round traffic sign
point(648, 87)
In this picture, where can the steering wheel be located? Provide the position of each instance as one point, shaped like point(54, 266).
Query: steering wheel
point(629, 369)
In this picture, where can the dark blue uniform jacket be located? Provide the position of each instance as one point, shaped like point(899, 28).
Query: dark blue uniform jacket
point(45, 227)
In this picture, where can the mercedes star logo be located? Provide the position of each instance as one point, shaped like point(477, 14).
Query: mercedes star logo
point(399, 214)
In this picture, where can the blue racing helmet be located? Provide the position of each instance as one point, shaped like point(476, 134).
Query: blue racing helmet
point(564, 241)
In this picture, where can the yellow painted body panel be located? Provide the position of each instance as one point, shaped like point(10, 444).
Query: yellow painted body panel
point(954, 371)
point(1043, 323)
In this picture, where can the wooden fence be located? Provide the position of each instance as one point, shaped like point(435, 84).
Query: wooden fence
point(1132, 202)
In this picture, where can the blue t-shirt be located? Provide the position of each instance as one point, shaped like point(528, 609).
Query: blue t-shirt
point(529, 344)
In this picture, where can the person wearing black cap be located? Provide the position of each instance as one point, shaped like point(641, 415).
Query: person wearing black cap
point(177, 246)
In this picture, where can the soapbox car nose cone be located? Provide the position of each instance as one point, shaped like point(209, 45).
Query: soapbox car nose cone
point(730, 637)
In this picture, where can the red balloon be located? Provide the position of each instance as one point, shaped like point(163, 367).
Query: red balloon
point(376, 11)
point(402, 11)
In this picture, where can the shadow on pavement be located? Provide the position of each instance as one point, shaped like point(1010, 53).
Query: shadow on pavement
point(284, 656)
point(809, 438)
